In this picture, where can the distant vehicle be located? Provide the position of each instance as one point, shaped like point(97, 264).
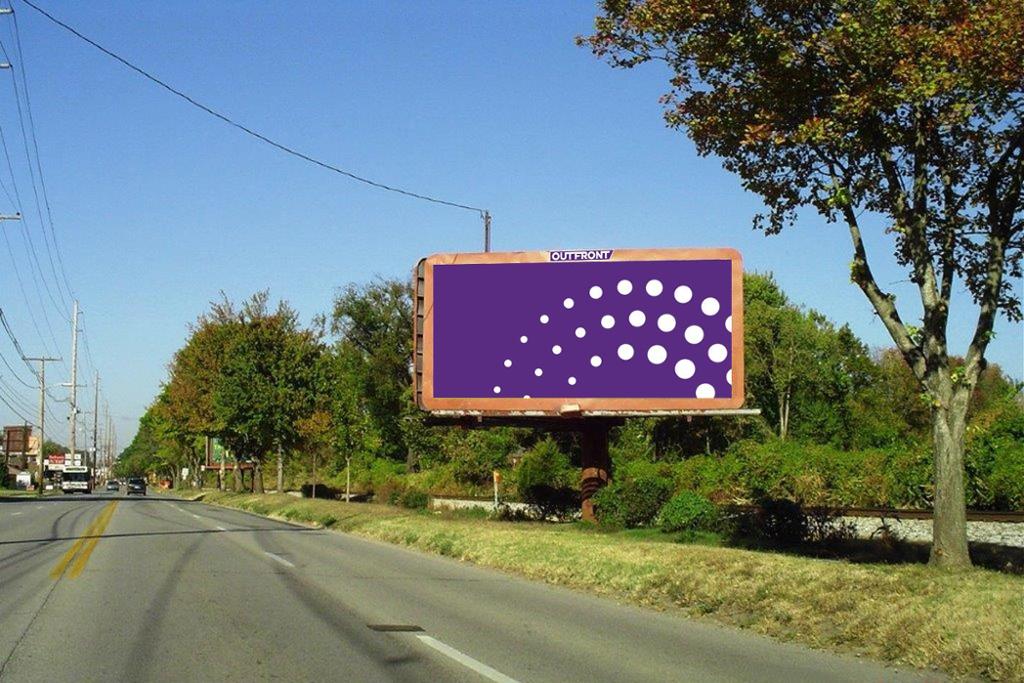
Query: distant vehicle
point(135, 485)
point(76, 479)
point(113, 485)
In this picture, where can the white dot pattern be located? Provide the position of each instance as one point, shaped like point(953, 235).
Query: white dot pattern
point(685, 369)
point(682, 342)
point(694, 334)
point(657, 354)
point(709, 306)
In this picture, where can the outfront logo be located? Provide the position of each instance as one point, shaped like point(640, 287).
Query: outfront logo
point(580, 255)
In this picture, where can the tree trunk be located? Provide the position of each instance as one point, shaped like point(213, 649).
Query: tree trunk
point(237, 472)
point(949, 525)
point(280, 470)
point(784, 414)
point(257, 477)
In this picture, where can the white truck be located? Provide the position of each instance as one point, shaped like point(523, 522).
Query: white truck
point(76, 479)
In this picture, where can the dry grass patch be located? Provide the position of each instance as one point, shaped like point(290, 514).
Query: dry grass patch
point(966, 623)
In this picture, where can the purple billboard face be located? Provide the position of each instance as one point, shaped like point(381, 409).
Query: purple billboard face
point(616, 330)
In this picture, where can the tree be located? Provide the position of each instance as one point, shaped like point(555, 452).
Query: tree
point(781, 351)
point(910, 110)
point(374, 324)
point(266, 382)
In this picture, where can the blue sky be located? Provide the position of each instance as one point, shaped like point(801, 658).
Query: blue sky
point(158, 207)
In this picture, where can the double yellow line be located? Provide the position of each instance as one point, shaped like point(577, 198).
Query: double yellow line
point(86, 543)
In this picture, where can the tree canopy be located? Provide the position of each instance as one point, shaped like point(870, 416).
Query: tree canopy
point(910, 110)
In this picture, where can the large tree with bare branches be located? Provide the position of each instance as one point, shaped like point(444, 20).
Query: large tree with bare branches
point(906, 109)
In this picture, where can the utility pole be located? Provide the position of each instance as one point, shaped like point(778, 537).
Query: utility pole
point(487, 230)
point(42, 418)
point(108, 437)
point(95, 420)
point(73, 417)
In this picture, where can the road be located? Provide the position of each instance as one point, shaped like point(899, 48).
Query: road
point(106, 588)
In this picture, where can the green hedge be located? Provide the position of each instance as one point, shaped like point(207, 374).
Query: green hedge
point(823, 475)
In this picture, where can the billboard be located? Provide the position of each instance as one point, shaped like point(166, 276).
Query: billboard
point(580, 332)
point(16, 439)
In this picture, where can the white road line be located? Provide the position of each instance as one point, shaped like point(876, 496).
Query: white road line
point(220, 528)
point(467, 661)
point(15, 514)
point(194, 515)
point(39, 507)
point(278, 558)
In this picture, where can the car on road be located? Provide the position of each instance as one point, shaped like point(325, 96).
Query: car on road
point(135, 485)
point(113, 485)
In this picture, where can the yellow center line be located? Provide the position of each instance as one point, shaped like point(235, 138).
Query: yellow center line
point(87, 540)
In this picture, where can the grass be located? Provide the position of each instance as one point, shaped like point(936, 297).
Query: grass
point(21, 493)
point(968, 623)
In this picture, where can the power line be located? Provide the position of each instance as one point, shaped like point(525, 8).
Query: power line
point(249, 131)
point(30, 250)
point(35, 189)
point(21, 353)
point(17, 412)
point(21, 285)
point(35, 147)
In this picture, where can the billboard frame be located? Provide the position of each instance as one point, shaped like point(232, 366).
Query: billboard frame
point(497, 407)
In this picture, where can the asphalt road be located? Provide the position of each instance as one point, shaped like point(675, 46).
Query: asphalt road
point(104, 588)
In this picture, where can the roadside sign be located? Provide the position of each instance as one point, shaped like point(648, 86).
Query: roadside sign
point(216, 453)
point(580, 332)
point(16, 439)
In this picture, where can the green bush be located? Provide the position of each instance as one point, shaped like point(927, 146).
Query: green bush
point(414, 499)
point(817, 475)
point(994, 459)
point(547, 481)
point(632, 503)
point(474, 455)
point(688, 511)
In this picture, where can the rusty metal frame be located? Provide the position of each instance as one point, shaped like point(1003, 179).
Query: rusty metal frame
point(455, 409)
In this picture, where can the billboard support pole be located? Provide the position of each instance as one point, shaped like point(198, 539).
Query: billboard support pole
point(487, 230)
point(595, 463)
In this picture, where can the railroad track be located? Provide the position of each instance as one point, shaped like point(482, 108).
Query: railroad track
point(892, 513)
